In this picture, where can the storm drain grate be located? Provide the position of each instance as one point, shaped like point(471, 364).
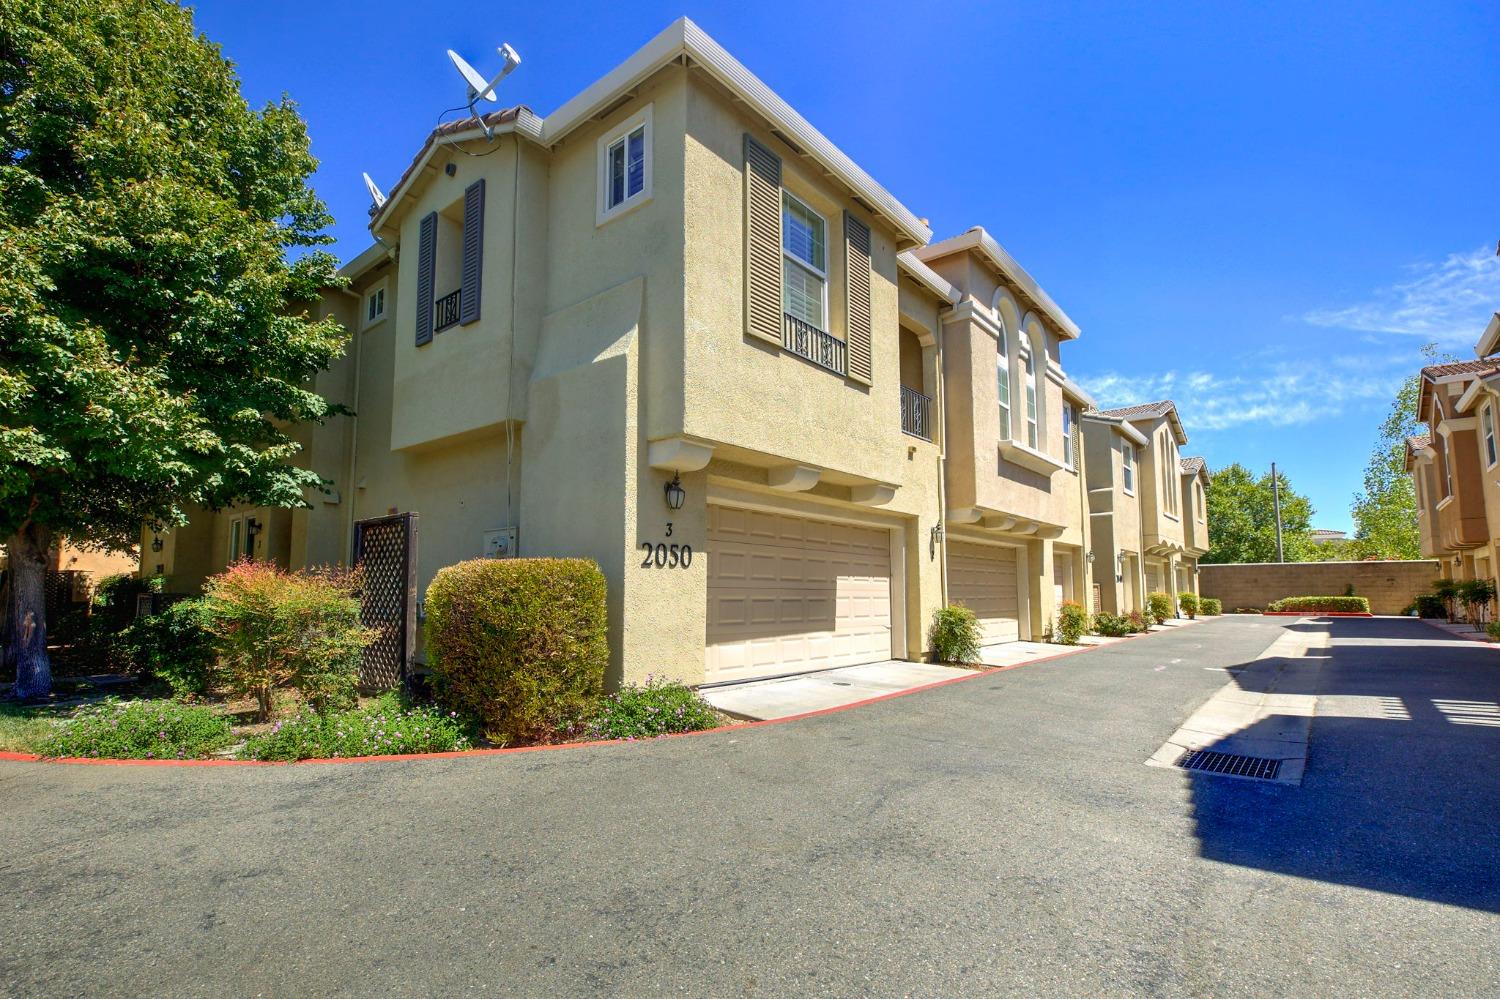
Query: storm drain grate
point(1228, 763)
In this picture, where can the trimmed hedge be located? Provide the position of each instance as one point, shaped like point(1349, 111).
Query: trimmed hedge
point(519, 644)
point(1210, 607)
point(1326, 605)
point(1430, 605)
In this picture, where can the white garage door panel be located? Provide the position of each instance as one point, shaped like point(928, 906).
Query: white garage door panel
point(983, 579)
point(786, 594)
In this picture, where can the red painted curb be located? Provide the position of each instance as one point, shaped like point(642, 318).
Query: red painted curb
point(1475, 637)
point(89, 761)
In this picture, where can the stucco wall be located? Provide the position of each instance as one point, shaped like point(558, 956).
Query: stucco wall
point(1390, 586)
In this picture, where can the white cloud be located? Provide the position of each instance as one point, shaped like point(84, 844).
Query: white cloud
point(1281, 396)
point(1449, 302)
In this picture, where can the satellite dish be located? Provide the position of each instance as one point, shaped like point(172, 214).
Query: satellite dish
point(375, 195)
point(479, 88)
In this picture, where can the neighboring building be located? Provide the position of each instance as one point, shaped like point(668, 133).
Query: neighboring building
point(674, 289)
point(1167, 521)
point(1194, 510)
point(1323, 536)
point(1112, 451)
point(1451, 471)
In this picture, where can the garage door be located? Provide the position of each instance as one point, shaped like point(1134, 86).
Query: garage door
point(790, 594)
point(983, 579)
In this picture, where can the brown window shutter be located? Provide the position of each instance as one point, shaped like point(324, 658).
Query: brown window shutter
point(857, 288)
point(473, 260)
point(762, 242)
point(426, 264)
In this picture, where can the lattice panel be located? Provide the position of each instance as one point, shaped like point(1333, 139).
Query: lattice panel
point(384, 549)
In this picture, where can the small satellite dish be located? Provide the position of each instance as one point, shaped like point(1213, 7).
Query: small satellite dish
point(375, 195)
point(480, 89)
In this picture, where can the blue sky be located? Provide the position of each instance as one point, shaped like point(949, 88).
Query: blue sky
point(1260, 211)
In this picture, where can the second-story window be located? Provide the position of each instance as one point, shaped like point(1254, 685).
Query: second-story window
point(804, 252)
point(1067, 434)
point(625, 166)
point(1490, 455)
point(374, 305)
point(1002, 382)
point(1031, 427)
point(1200, 501)
point(1127, 467)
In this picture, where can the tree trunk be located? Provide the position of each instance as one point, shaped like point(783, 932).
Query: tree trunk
point(26, 626)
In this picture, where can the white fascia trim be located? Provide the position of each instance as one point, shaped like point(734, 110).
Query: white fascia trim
point(969, 310)
point(1489, 340)
point(1472, 393)
point(525, 124)
point(977, 238)
point(1125, 429)
point(1070, 388)
point(684, 38)
point(927, 277)
point(370, 258)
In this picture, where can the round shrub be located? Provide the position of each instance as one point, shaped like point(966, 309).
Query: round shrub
point(1112, 625)
point(1138, 621)
point(519, 644)
point(661, 707)
point(1323, 605)
point(175, 646)
point(954, 635)
point(1210, 607)
point(1430, 605)
point(140, 730)
point(1160, 606)
point(1188, 601)
point(1072, 622)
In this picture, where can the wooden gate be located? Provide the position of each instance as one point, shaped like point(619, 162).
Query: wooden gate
point(386, 549)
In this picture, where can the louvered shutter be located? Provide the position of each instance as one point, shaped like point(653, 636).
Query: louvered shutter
point(857, 287)
point(426, 263)
point(762, 241)
point(473, 252)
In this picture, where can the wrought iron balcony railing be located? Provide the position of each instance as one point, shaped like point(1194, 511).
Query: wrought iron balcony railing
point(806, 340)
point(446, 311)
point(916, 413)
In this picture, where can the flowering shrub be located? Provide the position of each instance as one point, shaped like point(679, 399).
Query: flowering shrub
point(386, 728)
point(1139, 621)
point(954, 636)
point(659, 708)
point(1072, 622)
point(1188, 601)
point(1159, 605)
point(140, 730)
point(288, 629)
point(1112, 625)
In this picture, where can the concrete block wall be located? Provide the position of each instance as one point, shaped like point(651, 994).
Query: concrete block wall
point(1389, 585)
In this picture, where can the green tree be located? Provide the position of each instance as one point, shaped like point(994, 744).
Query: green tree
point(155, 339)
point(1242, 519)
point(1385, 510)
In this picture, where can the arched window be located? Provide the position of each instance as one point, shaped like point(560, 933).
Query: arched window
point(1002, 380)
point(1031, 368)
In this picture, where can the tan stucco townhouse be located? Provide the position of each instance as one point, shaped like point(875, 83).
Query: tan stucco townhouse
point(1455, 463)
point(672, 328)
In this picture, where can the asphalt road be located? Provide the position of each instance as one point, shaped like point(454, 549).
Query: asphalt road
point(1000, 836)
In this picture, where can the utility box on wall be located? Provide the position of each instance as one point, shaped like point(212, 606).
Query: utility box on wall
point(500, 543)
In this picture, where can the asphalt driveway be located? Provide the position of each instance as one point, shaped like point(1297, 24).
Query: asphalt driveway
point(996, 836)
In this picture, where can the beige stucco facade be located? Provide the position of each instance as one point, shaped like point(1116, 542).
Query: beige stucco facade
point(838, 485)
point(1452, 468)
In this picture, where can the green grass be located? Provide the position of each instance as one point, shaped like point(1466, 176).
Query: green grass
point(23, 729)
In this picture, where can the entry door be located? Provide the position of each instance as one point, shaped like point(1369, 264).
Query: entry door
point(983, 579)
point(794, 594)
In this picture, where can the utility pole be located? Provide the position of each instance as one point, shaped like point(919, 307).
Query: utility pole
point(1276, 502)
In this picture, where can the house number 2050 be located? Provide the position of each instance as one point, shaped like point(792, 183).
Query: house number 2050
point(665, 556)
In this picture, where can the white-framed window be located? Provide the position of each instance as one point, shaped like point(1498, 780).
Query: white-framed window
point(236, 539)
point(625, 166)
point(1127, 467)
point(374, 308)
point(804, 262)
point(1201, 501)
point(1028, 359)
point(1068, 431)
point(1002, 381)
point(1490, 454)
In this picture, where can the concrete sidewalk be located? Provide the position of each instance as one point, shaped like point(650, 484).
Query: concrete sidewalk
point(783, 697)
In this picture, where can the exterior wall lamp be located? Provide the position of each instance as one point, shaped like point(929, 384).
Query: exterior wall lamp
point(156, 543)
point(676, 495)
point(1090, 558)
point(1119, 567)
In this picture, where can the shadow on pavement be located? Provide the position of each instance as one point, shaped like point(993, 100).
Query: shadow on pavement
point(1402, 789)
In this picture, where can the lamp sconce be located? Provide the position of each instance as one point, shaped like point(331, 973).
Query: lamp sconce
point(675, 494)
point(1090, 557)
point(1119, 567)
point(935, 537)
point(156, 543)
point(252, 527)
